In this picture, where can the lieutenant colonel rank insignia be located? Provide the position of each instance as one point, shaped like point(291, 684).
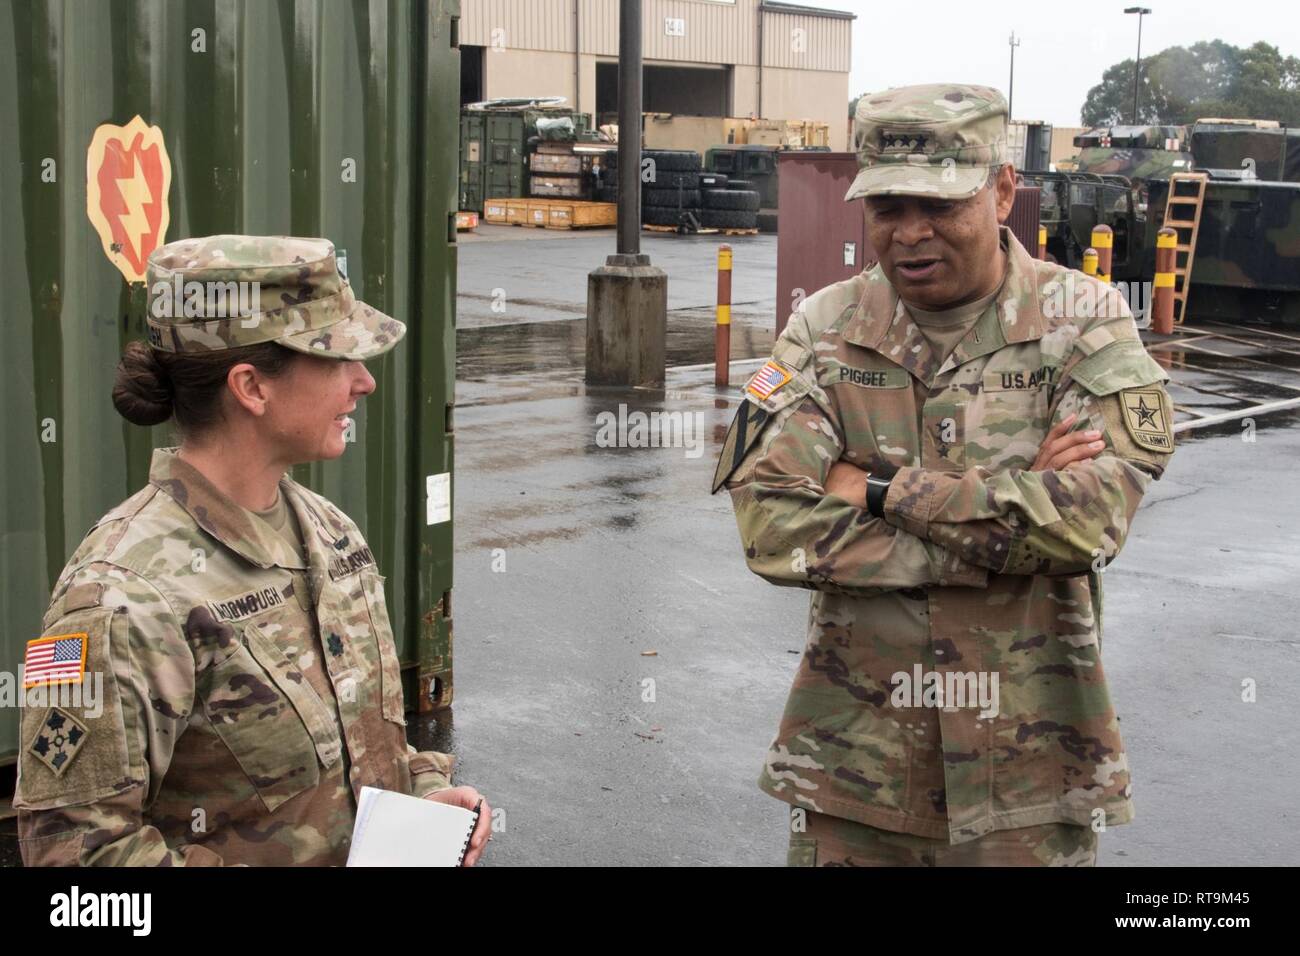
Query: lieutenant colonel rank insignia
point(768, 381)
point(60, 740)
point(1146, 416)
point(55, 660)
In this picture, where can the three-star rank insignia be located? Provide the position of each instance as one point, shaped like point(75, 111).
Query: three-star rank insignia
point(60, 739)
point(1147, 418)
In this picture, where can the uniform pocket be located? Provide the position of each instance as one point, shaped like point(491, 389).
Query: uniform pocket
point(273, 722)
point(1004, 429)
point(390, 666)
point(802, 852)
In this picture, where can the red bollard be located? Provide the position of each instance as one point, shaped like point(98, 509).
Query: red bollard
point(1162, 293)
point(722, 330)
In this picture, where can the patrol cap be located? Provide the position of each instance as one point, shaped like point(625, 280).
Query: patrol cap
point(938, 140)
point(212, 293)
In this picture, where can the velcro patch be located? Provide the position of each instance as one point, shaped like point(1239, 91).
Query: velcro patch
point(768, 380)
point(351, 563)
point(246, 605)
point(870, 377)
point(1147, 418)
point(742, 434)
point(60, 659)
point(59, 740)
point(1014, 380)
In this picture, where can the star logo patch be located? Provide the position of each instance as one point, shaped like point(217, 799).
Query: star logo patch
point(1146, 416)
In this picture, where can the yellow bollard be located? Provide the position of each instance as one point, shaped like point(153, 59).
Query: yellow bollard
point(1090, 262)
point(1162, 293)
point(1103, 240)
point(1042, 242)
point(722, 330)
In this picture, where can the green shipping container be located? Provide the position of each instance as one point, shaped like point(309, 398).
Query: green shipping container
point(334, 118)
point(494, 151)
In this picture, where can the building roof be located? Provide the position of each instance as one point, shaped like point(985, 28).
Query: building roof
point(799, 10)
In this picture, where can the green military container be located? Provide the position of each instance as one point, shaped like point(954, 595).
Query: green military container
point(494, 150)
point(134, 122)
point(491, 157)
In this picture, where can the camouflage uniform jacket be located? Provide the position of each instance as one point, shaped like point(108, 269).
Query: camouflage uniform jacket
point(248, 694)
point(979, 566)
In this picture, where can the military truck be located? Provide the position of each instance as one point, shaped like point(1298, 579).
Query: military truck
point(1247, 257)
point(755, 166)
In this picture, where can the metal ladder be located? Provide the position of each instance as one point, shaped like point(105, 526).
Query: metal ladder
point(1183, 214)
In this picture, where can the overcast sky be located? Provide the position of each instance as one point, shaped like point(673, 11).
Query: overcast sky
point(900, 42)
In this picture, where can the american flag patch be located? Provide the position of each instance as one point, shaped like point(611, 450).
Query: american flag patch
point(767, 381)
point(55, 660)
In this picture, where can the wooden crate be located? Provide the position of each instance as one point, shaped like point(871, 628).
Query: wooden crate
point(496, 210)
point(518, 211)
point(580, 215)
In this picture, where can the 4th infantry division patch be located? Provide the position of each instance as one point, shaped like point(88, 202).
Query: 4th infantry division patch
point(1147, 418)
point(59, 741)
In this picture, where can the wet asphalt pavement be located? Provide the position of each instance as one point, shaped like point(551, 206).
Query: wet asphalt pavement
point(613, 554)
point(619, 672)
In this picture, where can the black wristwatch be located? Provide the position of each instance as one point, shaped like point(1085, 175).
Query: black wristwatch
point(877, 488)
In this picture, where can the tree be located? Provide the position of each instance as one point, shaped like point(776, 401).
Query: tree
point(1181, 84)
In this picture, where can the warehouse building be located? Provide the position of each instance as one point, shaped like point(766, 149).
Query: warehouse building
point(701, 57)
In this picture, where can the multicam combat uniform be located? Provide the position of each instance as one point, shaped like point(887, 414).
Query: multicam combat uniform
point(979, 566)
point(249, 693)
point(249, 689)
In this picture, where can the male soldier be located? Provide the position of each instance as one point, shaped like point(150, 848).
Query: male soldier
point(947, 448)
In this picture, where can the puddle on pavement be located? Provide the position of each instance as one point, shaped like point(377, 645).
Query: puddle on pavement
point(554, 346)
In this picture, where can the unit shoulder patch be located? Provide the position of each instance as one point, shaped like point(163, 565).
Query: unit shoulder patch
point(1147, 417)
point(59, 740)
point(742, 434)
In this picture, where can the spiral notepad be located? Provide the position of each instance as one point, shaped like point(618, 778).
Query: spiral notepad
point(394, 829)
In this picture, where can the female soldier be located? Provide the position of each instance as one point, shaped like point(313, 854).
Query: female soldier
point(251, 686)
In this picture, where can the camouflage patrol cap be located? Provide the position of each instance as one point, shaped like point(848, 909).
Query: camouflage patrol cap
point(218, 292)
point(937, 140)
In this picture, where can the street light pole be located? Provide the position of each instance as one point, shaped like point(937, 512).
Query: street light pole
point(1137, 64)
point(1011, 83)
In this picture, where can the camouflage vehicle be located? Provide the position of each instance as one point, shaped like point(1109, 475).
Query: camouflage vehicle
point(754, 163)
point(1247, 262)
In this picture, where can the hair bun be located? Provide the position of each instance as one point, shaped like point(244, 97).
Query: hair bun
point(142, 389)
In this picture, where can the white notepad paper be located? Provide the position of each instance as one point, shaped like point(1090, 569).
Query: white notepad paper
point(394, 829)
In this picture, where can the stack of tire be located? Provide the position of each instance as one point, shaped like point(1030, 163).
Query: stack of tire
point(728, 203)
point(607, 191)
point(672, 188)
point(679, 187)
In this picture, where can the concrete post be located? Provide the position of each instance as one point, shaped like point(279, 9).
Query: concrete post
point(627, 297)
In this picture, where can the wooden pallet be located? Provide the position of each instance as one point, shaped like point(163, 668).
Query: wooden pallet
point(550, 213)
point(1183, 214)
point(580, 214)
point(705, 231)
